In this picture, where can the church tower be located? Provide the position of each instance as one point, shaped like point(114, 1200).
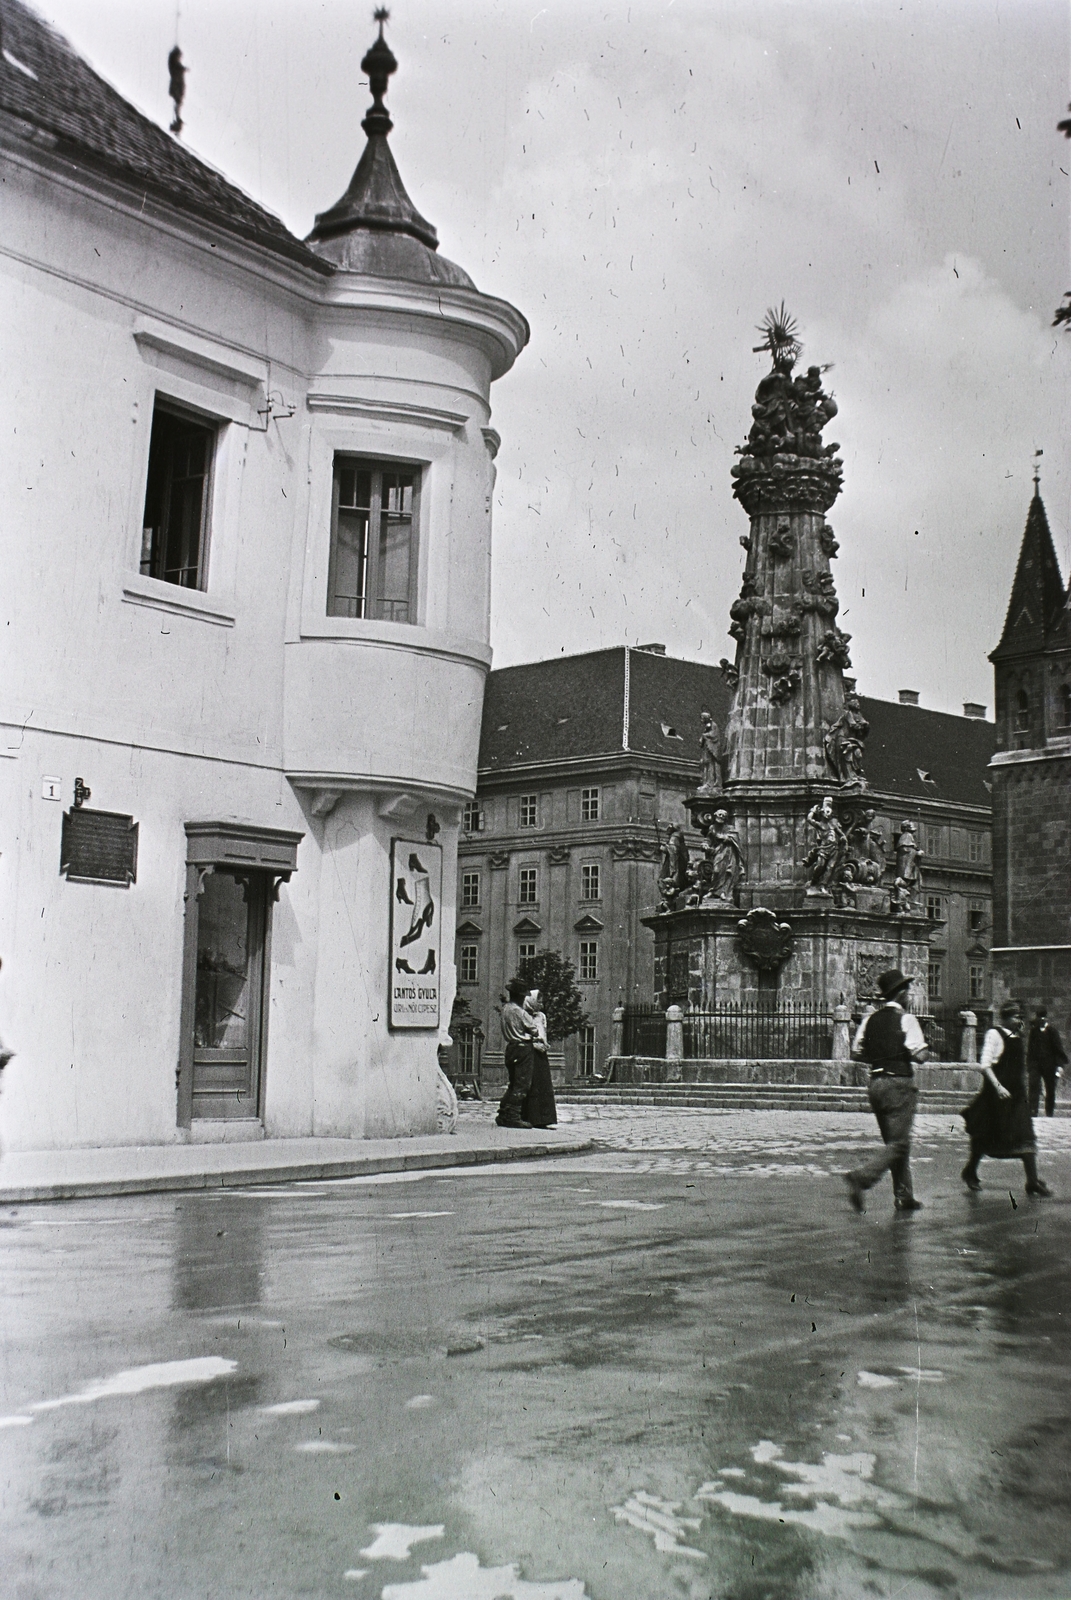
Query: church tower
point(1031, 775)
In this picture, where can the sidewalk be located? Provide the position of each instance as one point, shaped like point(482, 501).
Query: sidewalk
point(151, 1169)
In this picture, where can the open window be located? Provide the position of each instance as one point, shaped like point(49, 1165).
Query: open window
point(175, 523)
point(372, 572)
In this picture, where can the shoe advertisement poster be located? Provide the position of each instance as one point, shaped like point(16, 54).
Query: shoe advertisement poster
point(416, 890)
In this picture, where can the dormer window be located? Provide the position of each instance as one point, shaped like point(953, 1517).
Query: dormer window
point(373, 565)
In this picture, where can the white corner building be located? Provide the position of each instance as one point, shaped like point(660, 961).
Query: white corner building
point(245, 540)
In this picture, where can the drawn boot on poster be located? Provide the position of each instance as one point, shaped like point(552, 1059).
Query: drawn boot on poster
point(423, 904)
point(429, 965)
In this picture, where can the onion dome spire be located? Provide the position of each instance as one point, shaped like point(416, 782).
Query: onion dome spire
point(376, 200)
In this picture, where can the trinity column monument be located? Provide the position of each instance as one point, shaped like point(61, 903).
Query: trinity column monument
point(795, 896)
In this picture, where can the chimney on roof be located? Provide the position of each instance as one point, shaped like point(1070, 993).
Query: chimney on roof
point(909, 697)
point(652, 649)
point(972, 709)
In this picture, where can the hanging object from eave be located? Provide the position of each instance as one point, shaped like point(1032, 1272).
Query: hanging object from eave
point(177, 86)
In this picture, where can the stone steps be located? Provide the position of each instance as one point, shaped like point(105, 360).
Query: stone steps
point(755, 1097)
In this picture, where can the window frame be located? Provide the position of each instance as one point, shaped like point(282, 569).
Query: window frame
point(468, 963)
point(471, 876)
point(377, 467)
point(528, 876)
point(975, 847)
point(590, 872)
point(934, 980)
point(936, 908)
point(976, 982)
point(214, 427)
point(528, 811)
point(586, 1046)
point(587, 966)
point(978, 916)
point(472, 817)
point(526, 951)
point(591, 804)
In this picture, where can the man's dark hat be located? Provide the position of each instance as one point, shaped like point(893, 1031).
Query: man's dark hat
point(1010, 1008)
point(890, 983)
point(516, 988)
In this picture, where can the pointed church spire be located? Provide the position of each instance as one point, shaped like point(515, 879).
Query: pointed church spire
point(1038, 598)
point(376, 199)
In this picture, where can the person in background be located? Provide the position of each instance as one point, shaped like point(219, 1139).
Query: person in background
point(1045, 1055)
point(998, 1118)
point(518, 1033)
point(891, 1039)
point(539, 1106)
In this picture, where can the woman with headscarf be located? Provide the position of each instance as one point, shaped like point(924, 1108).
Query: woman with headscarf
point(998, 1118)
point(539, 1107)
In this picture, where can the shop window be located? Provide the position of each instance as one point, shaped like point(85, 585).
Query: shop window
point(976, 983)
point(174, 526)
point(934, 976)
point(590, 882)
point(529, 886)
point(589, 805)
point(470, 890)
point(372, 568)
point(529, 811)
point(588, 966)
point(468, 963)
point(472, 817)
point(585, 1052)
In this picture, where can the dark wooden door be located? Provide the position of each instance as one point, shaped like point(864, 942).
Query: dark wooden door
point(228, 1020)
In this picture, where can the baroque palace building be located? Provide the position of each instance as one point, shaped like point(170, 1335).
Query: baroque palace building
point(584, 763)
point(246, 597)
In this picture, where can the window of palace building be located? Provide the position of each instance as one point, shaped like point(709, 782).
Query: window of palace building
point(588, 967)
point(529, 810)
point(472, 817)
point(174, 527)
point(468, 963)
point(589, 805)
point(590, 887)
point(585, 1051)
point(529, 886)
point(470, 890)
point(373, 566)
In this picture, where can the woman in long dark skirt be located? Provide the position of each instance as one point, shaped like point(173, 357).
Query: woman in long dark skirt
point(539, 1107)
point(998, 1118)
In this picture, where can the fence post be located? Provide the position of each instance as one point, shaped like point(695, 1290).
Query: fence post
point(617, 1032)
point(674, 1042)
point(968, 1043)
point(842, 1043)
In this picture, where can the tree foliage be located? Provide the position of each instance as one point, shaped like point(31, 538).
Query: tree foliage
point(563, 1003)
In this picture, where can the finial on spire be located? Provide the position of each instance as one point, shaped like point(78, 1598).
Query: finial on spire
point(379, 64)
point(1037, 468)
point(779, 337)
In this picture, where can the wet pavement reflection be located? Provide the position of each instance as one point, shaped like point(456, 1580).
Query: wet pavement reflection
point(679, 1366)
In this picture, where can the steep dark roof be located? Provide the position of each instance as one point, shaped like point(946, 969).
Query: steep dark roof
point(62, 104)
point(1038, 601)
point(905, 741)
point(572, 708)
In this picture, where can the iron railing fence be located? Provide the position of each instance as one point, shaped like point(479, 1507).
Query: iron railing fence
point(752, 1030)
point(943, 1027)
point(644, 1032)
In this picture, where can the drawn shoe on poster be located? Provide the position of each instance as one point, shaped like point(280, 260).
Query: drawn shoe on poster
point(429, 964)
point(422, 902)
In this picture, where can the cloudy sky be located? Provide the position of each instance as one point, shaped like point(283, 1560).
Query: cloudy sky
point(642, 180)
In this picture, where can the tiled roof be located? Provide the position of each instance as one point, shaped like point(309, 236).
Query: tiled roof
point(572, 708)
point(906, 741)
point(47, 87)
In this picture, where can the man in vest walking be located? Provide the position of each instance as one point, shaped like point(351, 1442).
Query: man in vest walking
point(892, 1041)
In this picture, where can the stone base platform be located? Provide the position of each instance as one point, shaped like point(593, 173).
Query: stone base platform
point(960, 1078)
